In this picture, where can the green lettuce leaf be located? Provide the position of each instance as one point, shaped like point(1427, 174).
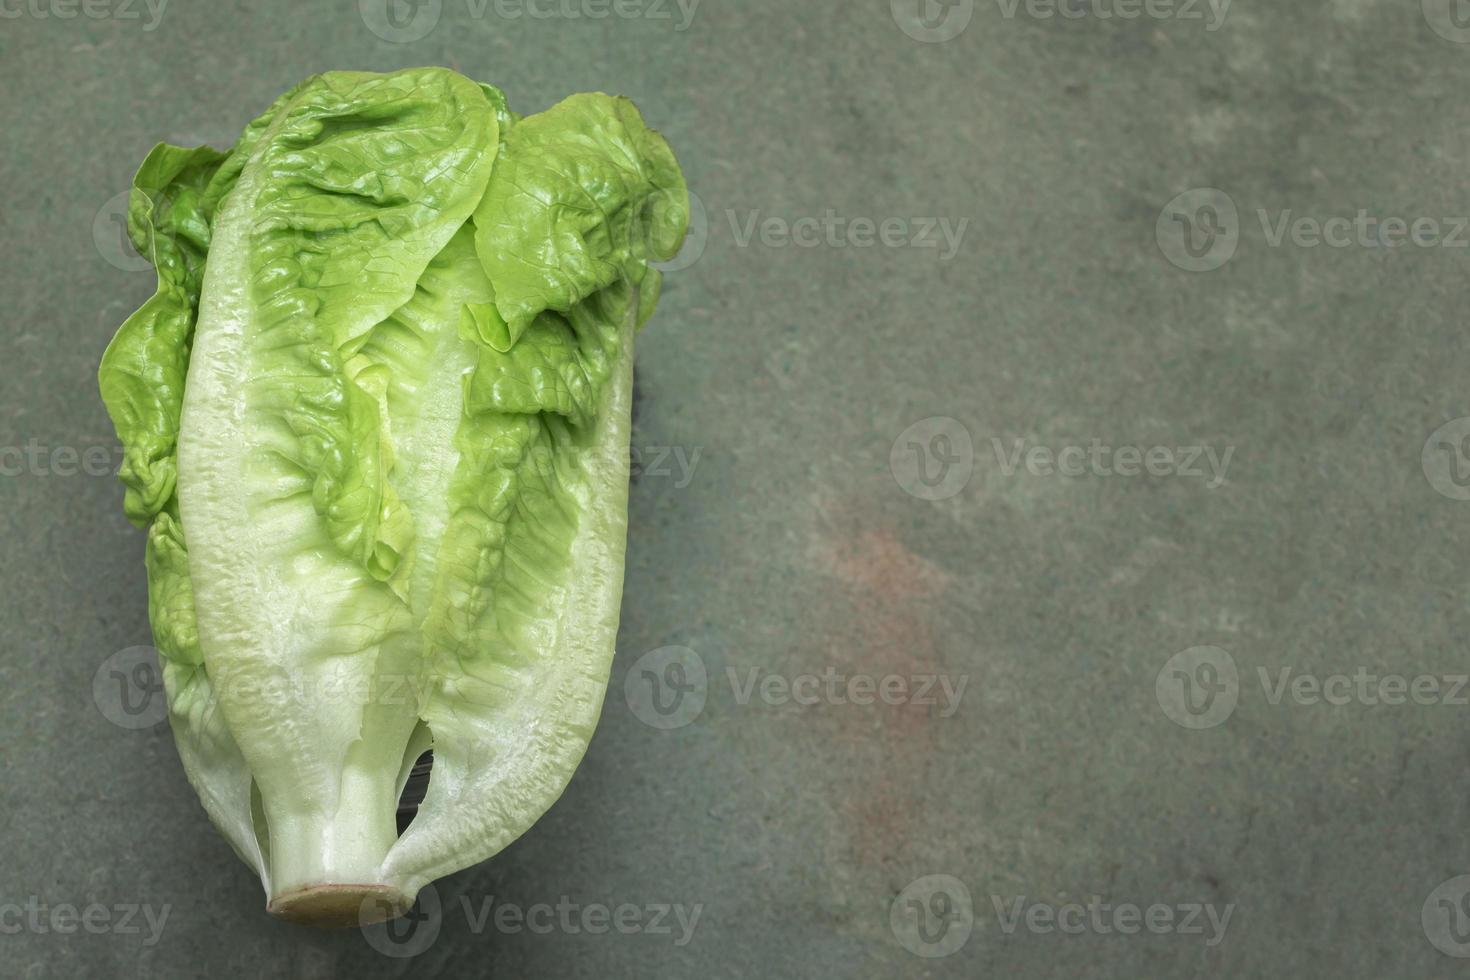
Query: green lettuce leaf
point(142, 371)
point(524, 613)
point(584, 195)
point(211, 758)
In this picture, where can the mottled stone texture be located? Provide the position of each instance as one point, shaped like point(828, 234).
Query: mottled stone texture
point(787, 547)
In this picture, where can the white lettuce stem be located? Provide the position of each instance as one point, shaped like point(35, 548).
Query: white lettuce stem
point(343, 848)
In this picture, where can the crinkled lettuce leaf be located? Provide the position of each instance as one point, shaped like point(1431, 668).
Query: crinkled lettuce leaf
point(584, 195)
point(523, 617)
point(142, 372)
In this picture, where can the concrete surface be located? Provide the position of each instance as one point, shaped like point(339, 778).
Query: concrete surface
point(1331, 539)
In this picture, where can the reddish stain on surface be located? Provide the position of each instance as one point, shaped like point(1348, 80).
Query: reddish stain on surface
point(880, 625)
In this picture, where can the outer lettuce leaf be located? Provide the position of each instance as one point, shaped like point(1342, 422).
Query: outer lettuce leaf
point(142, 382)
point(294, 526)
point(523, 619)
point(175, 194)
point(523, 624)
point(415, 361)
point(368, 176)
point(211, 759)
point(142, 372)
point(584, 195)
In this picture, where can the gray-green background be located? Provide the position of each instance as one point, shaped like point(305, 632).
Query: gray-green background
point(1336, 542)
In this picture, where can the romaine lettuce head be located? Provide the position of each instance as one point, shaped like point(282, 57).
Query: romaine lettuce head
point(376, 422)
